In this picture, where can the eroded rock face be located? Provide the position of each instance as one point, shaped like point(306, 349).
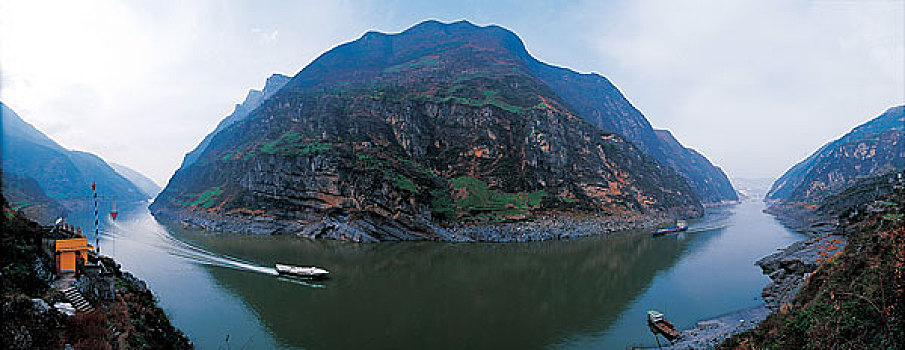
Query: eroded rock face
point(409, 136)
point(873, 148)
point(790, 267)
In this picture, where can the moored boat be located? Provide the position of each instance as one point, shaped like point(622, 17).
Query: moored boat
point(680, 226)
point(658, 323)
point(299, 271)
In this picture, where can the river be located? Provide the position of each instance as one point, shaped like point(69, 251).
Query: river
point(221, 290)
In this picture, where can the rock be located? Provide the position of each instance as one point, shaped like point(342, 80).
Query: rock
point(789, 268)
point(40, 306)
point(136, 283)
point(65, 308)
point(368, 144)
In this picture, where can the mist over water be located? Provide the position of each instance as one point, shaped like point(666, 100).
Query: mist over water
point(562, 294)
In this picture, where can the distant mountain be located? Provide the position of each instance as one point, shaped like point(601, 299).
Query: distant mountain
point(60, 174)
point(599, 102)
point(864, 163)
point(873, 148)
point(25, 194)
point(146, 185)
point(410, 136)
point(253, 100)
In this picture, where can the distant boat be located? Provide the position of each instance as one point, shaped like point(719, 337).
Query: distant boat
point(680, 226)
point(658, 323)
point(306, 272)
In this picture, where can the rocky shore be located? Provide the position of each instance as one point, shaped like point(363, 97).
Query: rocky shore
point(105, 308)
point(372, 230)
point(710, 333)
point(790, 267)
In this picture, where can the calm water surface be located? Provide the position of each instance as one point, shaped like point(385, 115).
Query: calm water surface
point(585, 293)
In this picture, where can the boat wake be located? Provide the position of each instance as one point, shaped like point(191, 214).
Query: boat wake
point(164, 241)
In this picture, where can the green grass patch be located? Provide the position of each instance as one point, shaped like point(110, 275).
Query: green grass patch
point(480, 199)
point(291, 144)
point(207, 198)
point(389, 171)
point(426, 61)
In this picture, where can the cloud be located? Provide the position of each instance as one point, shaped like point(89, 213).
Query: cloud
point(757, 86)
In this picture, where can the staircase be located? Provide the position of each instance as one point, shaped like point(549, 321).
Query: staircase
point(77, 300)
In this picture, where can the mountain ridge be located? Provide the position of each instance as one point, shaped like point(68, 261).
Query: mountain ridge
point(388, 136)
point(60, 174)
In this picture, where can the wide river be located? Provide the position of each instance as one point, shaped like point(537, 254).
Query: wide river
point(221, 290)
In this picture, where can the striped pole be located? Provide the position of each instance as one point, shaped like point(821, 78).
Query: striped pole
point(97, 241)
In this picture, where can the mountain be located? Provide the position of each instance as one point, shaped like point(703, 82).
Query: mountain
point(599, 102)
point(31, 158)
point(863, 162)
point(873, 148)
point(253, 100)
point(146, 185)
point(412, 136)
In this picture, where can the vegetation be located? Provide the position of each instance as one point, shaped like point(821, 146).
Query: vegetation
point(426, 61)
point(480, 201)
point(291, 144)
point(207, 198)
point(131, 321)
point(854, 301)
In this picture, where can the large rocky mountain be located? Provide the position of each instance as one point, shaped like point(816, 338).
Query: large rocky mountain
point(873, 148)
point(253, 100)
point(37, 170)
point(599, 102)
point(403, 136)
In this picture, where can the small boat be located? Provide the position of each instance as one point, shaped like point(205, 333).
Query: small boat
point(680, 226)
point(659, 324)
point(306, 272)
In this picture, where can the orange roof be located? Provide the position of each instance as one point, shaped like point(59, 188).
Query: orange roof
point(74, 244)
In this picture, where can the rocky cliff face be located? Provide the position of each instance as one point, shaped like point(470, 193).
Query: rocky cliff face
point(873, 148)
point(61, 174)
point(253, 100)
point(599, 102)
point(403, 136)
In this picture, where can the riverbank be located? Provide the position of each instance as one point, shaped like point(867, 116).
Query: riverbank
point(788, 269)
point(555, 226)
point(122, 312)
point(851, 299)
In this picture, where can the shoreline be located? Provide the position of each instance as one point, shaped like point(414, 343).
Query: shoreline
point(788, 268)
point(368, 230)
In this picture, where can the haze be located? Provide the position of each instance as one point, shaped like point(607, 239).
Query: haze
point(755, 86)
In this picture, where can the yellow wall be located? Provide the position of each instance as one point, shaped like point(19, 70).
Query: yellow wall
point(72, 244)
point(67, 261)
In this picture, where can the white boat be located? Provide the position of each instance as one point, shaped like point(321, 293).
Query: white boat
point(307, 272)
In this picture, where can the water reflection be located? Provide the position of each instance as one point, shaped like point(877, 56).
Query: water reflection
point(438, 295)
point(587, 293)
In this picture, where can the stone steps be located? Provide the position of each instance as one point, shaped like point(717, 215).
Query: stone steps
point(77, 300)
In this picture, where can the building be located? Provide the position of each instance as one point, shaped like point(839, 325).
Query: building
point(69, 253)
point(68, 248)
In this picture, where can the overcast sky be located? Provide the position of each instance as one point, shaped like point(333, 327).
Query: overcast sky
point(755, 86)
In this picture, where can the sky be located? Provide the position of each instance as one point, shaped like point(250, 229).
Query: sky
point(755, 86)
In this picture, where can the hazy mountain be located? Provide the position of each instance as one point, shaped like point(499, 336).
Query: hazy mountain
point(873, 148)
point(253, 100)
point(392, 135)
point(598, 101)
point(61, 174)
point(146, 185)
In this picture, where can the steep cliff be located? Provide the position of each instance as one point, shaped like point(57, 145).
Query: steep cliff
point(873, 148)
point(63, 175)
point(253, 100)
point(599, 102)
point(400, 136)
